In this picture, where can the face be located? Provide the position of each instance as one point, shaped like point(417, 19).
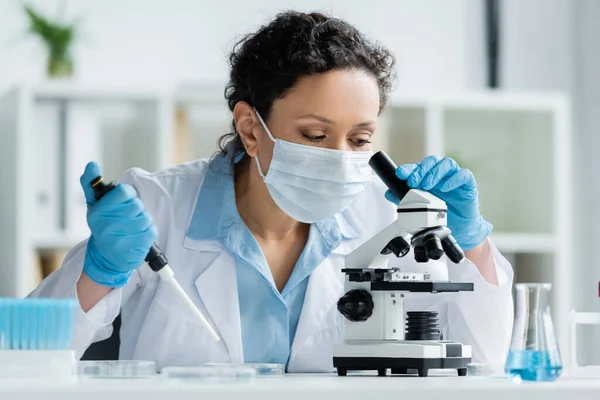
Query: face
point(336, 110)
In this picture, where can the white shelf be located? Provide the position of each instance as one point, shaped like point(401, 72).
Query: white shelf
point(74, 92)
point(48, 134)
point(190, 95)
point(483, 100)
point(206, 117)
point(524, 243)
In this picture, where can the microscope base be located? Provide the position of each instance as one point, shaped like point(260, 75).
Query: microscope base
point(402, 357)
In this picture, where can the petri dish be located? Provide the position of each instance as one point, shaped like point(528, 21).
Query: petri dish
point(208, 374)
point(120, 369)
point(485, 370)
point(262, 369)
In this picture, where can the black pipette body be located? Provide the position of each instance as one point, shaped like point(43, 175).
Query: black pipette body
point(156, 259)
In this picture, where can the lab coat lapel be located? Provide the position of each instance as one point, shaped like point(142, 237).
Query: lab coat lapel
point(217, 288)
point(324, 289)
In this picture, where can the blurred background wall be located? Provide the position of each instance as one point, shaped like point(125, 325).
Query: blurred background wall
point(190, 39)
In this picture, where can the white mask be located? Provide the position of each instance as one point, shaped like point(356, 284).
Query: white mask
point(310, 183)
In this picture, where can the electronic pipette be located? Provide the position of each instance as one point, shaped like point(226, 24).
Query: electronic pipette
point(158, 262)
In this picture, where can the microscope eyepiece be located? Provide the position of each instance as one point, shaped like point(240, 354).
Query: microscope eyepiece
point(385, 168)
point(452, 249)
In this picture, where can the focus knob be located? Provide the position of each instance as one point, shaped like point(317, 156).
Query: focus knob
point(356, 305)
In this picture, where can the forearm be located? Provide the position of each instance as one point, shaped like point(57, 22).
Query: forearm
point(483, 259)
point(98, 306)
point(89, 292)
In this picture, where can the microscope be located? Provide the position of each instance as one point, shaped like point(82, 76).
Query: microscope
point(377, 335)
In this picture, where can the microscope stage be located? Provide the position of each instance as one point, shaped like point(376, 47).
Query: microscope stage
point(423, 287)
point(401, 356)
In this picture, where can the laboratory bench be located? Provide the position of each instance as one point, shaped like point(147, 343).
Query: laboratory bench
point(304, 387)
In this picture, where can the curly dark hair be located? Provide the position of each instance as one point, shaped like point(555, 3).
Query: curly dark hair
point(266, 64)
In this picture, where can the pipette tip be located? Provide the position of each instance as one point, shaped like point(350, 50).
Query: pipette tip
point(167, 274)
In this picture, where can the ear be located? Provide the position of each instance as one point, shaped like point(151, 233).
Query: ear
point(245, 121)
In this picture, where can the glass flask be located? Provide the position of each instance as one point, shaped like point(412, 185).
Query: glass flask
point(534, 353)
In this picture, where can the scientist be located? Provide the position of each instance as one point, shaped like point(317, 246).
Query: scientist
point(257, 235)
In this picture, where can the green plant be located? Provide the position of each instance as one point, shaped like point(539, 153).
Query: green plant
point(58, 39)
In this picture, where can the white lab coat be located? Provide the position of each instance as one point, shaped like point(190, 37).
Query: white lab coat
point(155, 326)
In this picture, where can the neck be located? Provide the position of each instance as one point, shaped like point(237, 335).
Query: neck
point(257, 209)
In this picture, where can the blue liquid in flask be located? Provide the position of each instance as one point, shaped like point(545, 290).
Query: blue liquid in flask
point(534, 365)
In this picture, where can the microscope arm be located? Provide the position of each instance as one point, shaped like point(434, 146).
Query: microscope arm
point(369, 253)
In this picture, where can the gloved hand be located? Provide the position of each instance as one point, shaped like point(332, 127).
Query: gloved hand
point(457, 187)
point(121, 232)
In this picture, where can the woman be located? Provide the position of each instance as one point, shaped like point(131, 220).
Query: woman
point(257, 235)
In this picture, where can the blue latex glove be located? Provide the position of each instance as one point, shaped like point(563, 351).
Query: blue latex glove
point(457, 187)
point(122, 232)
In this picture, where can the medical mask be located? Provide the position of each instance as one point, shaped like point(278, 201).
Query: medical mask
point(311, 184)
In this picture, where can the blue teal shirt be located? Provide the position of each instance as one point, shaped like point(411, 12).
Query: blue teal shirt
point(268, 318)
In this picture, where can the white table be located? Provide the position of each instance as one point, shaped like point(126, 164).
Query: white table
point(306, 387)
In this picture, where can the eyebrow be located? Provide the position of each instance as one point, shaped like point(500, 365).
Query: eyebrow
point(330, 122)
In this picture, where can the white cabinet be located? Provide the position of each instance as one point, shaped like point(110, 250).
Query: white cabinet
point(203, 117)
point(47, 135)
